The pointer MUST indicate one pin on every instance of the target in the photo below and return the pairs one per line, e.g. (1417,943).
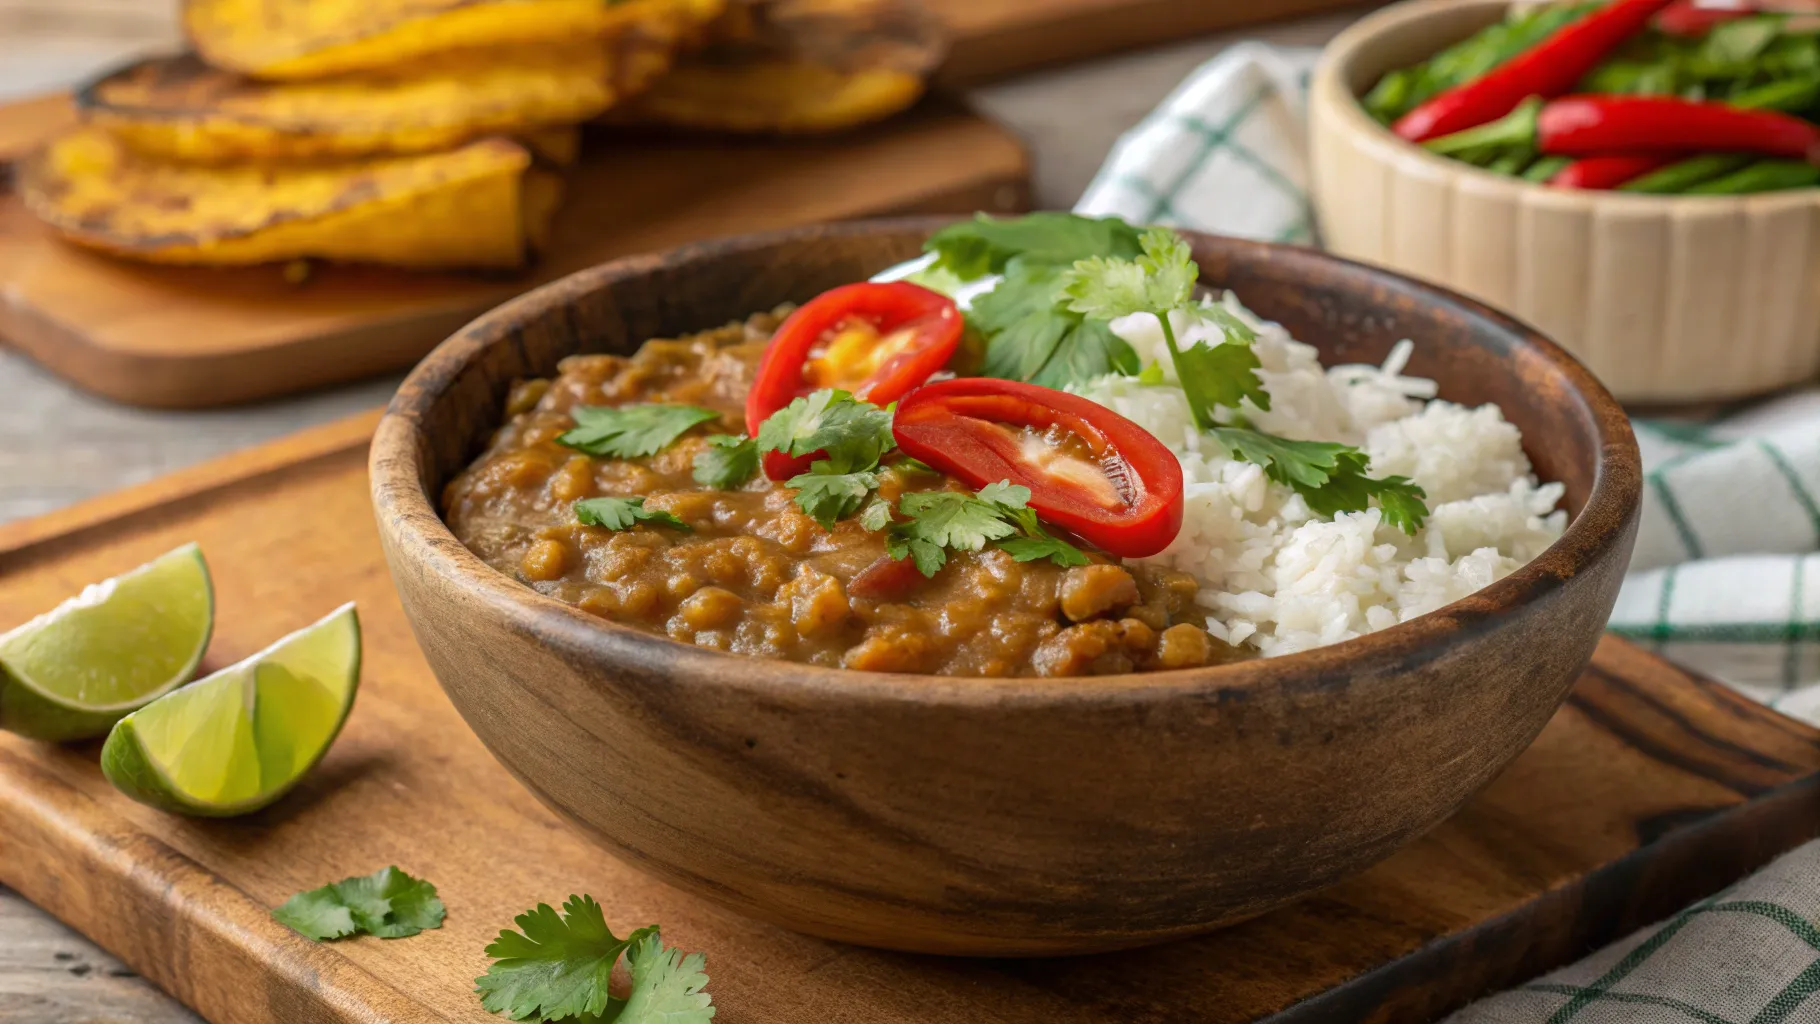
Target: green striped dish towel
(1726,577)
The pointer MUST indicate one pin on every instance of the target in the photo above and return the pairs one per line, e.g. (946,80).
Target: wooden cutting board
(1649,789)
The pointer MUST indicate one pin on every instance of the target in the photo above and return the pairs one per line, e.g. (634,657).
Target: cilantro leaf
(666,987)
(1031,549)
(876,515)
(1158,281)
(827,496)
(1223,374)
(387,903)
(623,514)
(1330,477)
(1032,336)
(985,245)
(554,966)
(631,431)
(851,435)
(938,520)
(728,462)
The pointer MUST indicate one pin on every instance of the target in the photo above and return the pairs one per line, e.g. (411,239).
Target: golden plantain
(790,66)
(179,108)
(289,39)
(482,205)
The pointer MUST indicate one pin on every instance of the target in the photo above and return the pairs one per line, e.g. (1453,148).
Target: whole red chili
(1611,170)
(1548,69)
(1601,125)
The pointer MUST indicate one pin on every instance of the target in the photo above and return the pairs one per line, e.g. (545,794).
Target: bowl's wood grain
(1002,816)
(1669,299)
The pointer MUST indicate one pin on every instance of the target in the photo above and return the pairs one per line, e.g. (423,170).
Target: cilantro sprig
(848,435)
(937,521)
(1161,282)
(558,966)
(388,903)
(631,431)
(623,514)
(1331,478)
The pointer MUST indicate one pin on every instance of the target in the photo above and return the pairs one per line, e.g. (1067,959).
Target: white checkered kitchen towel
(1726,577)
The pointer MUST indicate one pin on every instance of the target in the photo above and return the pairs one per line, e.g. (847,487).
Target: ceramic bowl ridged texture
(1667,298)
(1001,816)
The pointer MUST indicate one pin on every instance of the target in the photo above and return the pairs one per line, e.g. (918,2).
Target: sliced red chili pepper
(1124,496)
(1610,171)
(875,340)
(1548,69)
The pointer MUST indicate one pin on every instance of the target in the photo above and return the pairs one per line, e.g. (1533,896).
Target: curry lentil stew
(755,574)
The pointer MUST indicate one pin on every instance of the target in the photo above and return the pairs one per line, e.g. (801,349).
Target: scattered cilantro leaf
(631,431)
(1151,375)
(555,966)
(728,462)
(984,245)
(828,496)
(1223,374)
(623,514)
(851,435)
(666,987)
(1031,334)
(1331,478)
(387,903)
(876,515)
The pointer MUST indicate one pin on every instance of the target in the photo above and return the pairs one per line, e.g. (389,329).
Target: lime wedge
(240,739)
(77,669)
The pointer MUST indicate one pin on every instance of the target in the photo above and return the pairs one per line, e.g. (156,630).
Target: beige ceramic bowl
(1666,298)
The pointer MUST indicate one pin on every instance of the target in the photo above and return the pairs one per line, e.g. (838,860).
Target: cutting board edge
(1679,867)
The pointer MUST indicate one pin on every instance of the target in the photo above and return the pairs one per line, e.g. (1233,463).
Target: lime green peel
(240,739)
(74,671)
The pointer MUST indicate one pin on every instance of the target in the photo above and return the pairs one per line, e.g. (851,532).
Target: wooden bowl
(1002,816)
(1666,298)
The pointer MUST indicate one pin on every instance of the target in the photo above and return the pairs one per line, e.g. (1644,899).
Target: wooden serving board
(1649,789)
(188,338)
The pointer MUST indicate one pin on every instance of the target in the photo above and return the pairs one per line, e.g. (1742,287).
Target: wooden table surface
(58,445)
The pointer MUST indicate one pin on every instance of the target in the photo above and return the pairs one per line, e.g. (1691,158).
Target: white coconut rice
(1279,578)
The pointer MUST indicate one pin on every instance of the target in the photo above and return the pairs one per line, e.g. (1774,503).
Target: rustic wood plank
(1649,788)
(49,975)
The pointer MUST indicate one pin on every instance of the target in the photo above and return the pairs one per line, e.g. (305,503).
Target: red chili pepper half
(1689,19)
(1608,172)
(1089,470)
(875,340)
(1550,68)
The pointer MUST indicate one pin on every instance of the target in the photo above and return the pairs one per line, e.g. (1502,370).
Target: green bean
(1546,168)
(1788,94)
(1683,175)
(1762,176)
(1512,162)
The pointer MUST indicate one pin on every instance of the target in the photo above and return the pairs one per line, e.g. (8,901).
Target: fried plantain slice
(181,109)
(797,66)
(291,39)
(482,205)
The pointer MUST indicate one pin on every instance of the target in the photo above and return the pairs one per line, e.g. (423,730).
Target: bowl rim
(1328,91)
(413,524)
